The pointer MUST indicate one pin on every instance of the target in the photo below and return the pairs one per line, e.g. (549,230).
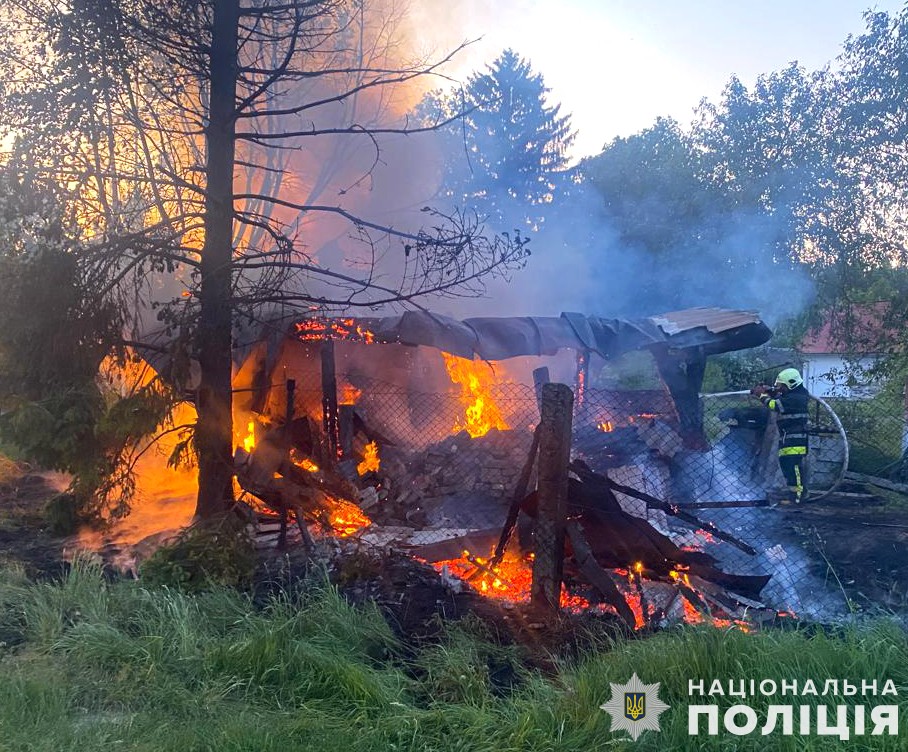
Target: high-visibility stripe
(792,416)
(784,451)
(787,436)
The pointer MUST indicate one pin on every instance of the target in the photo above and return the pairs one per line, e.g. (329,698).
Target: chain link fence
(451,470)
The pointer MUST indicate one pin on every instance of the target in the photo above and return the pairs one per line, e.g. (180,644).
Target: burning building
(427,423)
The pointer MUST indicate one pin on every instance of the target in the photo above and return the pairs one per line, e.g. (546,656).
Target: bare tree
(152,113)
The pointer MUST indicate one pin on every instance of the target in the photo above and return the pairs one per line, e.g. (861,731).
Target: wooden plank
(540,377)
(879,482)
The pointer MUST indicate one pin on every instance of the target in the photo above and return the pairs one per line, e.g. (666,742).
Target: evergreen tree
(507,157)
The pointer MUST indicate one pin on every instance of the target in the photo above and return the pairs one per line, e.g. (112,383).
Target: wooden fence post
(540,377)
(345,430)
(552,490)
(290,408)
(329,399)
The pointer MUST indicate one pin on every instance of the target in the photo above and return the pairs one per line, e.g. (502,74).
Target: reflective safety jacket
(792,420)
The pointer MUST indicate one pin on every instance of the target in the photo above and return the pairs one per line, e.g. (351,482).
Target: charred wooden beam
(520,492)
(682,371)
(346,430)
(675,511)
(690,595)
(329,398)
(289,410)
(596,575)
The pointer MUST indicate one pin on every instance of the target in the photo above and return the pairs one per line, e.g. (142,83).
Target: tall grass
(91,665)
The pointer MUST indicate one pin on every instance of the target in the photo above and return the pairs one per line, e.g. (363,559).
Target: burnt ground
(24,535)
(859,535)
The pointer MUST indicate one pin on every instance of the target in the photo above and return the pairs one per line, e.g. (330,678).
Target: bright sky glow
(616,65)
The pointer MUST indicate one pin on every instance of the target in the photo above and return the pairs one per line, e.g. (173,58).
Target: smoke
(579,261)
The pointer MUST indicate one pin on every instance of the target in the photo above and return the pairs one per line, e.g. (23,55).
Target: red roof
(858,330)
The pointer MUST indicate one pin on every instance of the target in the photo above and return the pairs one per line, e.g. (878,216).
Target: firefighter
(789,399)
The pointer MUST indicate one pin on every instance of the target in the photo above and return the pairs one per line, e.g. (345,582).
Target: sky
(616,65)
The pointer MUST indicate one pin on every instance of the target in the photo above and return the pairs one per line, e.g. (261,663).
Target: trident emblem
(634,705)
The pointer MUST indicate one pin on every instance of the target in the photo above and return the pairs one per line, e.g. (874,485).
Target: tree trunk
(214,431)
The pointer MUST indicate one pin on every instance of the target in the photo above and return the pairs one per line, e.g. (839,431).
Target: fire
(349,395)
(166,496)
(303,463)
(346,518)
(371,462)
(481,412)
(509,581)
(249,440)
(606,426)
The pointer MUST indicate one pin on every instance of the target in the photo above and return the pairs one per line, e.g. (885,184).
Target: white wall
(819,383)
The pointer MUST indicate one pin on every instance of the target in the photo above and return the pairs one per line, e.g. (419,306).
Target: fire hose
(836,422)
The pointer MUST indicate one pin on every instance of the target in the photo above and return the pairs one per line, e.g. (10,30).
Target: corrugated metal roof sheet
(715,320)
(714,330)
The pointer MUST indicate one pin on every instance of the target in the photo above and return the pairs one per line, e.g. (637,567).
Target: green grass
(91,665)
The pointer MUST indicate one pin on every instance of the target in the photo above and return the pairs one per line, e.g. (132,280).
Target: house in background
(838,355)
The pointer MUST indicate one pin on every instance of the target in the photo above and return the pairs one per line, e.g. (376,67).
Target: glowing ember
(303,463)
(475,381)
(702,538)
(319,328)
(371,462)
(706,536)
(511,581)
(606,426)
(692,615)
(346,518)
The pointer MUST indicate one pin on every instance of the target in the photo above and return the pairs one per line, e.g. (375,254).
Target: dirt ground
(861,533)
(24,537)
(858,538)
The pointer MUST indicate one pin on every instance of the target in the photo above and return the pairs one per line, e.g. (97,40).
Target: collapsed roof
(711,330)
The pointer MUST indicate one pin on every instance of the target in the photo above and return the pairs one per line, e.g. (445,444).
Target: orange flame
(249,440)
(303,463)
(512,579)
(481,412)
(371,462)
(346,518)
(349,395)
(606,426)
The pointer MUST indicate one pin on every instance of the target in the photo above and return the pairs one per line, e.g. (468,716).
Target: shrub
(217,552)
